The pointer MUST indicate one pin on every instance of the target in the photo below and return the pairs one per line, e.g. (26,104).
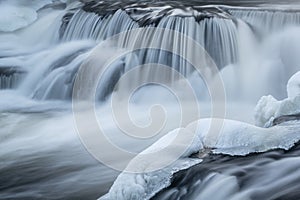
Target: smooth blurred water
(41,156)
(271,175)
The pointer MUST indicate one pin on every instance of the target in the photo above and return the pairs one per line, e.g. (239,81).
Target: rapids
(51,56)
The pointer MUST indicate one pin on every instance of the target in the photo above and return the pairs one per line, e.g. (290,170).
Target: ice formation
(234,138)
(269,108)
(136,186)
(293,86)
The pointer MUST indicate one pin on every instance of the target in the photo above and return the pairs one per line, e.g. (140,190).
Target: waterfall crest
(220,31)
(267,21)
(235,38)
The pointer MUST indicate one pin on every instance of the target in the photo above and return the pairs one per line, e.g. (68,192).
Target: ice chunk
(135,186)
(235,138)
(239,138)
(265,110)
(268,108)
(130,186)
(293,86)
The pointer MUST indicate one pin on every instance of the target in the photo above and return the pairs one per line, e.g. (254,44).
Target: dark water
(271,175)
(43,161)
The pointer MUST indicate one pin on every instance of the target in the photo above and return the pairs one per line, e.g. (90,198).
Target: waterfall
(9,81)
(238,42)
(10,77)
(220,31)
(233,41)
(86,25)
(55,71)
(266,21)
(235,38)
(122,79)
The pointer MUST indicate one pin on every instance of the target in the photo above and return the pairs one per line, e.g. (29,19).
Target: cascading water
(228,36)
(220,31)
(10,77)
(265,21)
(52,52)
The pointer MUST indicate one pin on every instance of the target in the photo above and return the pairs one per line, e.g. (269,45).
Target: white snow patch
(235,138)
(136,186)
(293,86)
(268,108)
(239,138)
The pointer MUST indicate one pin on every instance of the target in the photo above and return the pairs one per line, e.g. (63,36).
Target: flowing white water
(256,52)
(237,48)
(263,21)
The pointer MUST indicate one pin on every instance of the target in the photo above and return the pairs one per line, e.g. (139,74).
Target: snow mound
(145,185)
(240,139)
(235,138)
(293,86)
(268,108)
(141,185)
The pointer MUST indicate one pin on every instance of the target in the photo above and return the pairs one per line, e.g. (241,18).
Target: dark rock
(9,71)
(286,118)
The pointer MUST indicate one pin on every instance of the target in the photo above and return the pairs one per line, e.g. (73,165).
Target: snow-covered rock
(234,138)
(152,170)
(268,108)
(293,86)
